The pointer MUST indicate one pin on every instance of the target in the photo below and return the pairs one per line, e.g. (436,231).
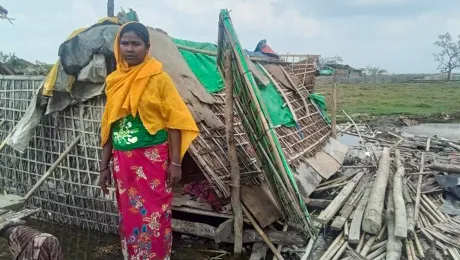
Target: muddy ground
(78,244)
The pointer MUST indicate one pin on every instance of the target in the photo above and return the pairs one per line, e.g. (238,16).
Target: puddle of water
(449,131)
(349,140)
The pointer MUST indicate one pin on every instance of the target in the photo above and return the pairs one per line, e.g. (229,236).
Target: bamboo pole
(382,231)
(419,246)
(360,245)
(412,249)
(334,111)
(233,157)
(340,251)
(376,252)
(309,248)
(400,230)
(51,169)
(330,254)
(304,100)
(419,188)
(3,144)
(367,246)
(408,251)
(409,209)
(261,233)
(269,131)
(372,221)
(331,250)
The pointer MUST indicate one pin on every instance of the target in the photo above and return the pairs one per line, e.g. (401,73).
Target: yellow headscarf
(148,91)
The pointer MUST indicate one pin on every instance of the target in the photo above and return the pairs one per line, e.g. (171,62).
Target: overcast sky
(397,35)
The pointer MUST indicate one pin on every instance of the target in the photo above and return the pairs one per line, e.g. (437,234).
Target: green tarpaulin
(277,110)
(320,102)
(205,68)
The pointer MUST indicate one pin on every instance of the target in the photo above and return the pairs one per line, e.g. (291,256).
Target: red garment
(144,202)
(203,192)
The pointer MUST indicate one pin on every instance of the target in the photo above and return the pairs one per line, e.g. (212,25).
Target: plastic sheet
(25,128)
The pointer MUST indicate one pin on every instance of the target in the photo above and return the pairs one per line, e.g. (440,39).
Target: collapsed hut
(40,117)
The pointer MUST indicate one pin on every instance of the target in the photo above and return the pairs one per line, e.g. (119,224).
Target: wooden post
(334,111)
(110,8)
(394,244)
(372,221)
(232,156)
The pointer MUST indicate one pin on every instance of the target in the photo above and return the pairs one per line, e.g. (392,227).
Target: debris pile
(397,197)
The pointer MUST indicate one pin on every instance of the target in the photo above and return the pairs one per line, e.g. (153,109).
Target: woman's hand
(174,175)
(105,180)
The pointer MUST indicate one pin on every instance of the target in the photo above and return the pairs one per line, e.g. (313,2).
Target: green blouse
(129,133)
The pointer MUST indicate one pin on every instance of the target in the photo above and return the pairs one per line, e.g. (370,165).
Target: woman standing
(147,129)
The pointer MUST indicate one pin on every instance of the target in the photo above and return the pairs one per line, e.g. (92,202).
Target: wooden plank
(349,206)
(355,227)
(224,231)
(249,236)
(307,178)
(11,202)
(261,204)
(327,214)
(187,202)
(324,164)
(336,149)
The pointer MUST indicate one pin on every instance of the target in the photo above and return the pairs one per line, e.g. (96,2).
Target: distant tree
(374,71)
(449,56)
(22,66)
(9,58)
(330,60)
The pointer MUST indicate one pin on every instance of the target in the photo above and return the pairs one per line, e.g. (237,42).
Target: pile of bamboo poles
(393,210)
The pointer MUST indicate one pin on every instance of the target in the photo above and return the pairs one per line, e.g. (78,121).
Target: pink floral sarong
(144,202)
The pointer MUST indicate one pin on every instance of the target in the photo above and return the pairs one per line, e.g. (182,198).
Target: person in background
(146,130)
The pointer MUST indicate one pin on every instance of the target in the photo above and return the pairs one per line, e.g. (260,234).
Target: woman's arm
(174,171)
(104,176)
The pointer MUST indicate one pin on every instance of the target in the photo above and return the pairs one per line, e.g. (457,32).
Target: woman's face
(132,48)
